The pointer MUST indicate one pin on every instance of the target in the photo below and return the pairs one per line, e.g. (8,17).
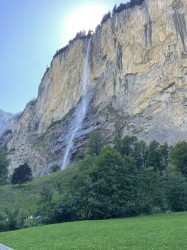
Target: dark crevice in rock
(180,27)
(148,34)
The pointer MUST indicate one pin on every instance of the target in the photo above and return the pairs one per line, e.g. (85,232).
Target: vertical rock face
(138,84)
(144,67)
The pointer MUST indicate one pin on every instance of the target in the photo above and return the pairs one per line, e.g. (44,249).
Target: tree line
(117,9)
(127,179)
(83,35)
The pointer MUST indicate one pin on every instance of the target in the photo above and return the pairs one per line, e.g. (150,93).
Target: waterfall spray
(80,112)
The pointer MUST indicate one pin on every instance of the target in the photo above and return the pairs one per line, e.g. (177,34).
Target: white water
(80,112)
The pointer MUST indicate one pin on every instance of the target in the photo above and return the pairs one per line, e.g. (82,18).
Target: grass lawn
(166,231)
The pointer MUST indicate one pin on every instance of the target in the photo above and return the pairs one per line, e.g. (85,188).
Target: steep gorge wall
(147,45)
(138,80)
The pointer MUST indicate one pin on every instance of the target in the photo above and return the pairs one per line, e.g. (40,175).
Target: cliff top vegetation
(83,35)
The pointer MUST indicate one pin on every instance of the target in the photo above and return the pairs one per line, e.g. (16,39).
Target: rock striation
(137,85)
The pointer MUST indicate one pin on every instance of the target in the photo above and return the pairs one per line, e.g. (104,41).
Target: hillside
(136,85)
(28,194)
(152,232)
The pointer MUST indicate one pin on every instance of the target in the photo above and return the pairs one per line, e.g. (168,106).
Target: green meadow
(26,195)
(165,231)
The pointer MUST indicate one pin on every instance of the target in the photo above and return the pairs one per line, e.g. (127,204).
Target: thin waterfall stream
(80,111)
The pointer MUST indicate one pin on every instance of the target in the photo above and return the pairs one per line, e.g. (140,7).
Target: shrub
(55,168)
(11,220)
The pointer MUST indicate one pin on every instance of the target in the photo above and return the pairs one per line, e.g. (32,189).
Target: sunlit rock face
(137,84)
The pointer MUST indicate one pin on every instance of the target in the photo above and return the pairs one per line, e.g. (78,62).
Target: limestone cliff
(138,81)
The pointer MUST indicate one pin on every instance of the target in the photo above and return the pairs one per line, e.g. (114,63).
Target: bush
(11,220)
(32,222)
(55,168)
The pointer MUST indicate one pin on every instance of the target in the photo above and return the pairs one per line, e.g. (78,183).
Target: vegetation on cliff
(121,7)
(125,6)
(83,35)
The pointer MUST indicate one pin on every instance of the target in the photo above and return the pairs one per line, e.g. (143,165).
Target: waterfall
(80,112)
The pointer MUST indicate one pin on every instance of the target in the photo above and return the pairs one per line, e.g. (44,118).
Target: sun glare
(85,17)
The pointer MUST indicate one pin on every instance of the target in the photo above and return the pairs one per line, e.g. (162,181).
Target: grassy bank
(26,195)
(166,231)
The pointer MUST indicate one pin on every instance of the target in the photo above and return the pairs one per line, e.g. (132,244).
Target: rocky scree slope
(137,81)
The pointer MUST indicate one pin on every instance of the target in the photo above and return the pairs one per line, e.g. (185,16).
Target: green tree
(57,207)
(4,162)
(95,143)
(130,146)
(164,156)
(45,204)
(149,190)
(157,156)
(140,153)
(81,185)
(176,190)
(178,157)
(73,200)
(153,155)
(65,208)
(113,185)
(126,145)
(22,174)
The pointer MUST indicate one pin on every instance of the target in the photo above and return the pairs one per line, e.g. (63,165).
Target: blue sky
(31,32)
